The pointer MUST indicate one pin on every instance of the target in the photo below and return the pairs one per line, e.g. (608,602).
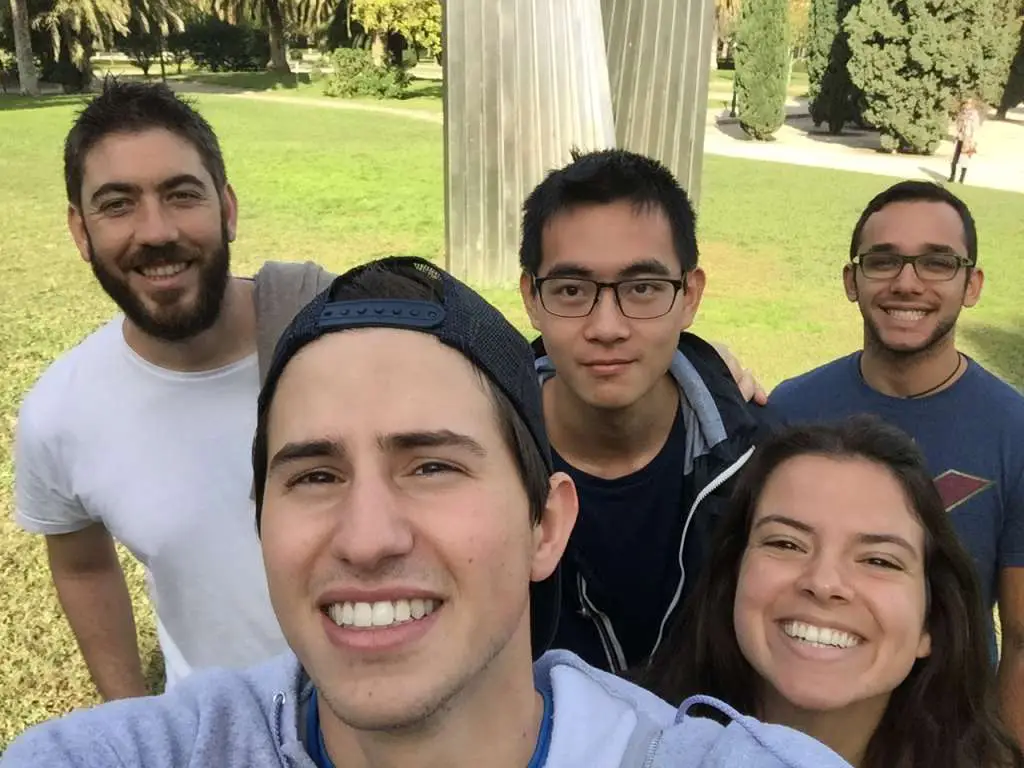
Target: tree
(76,28)
(139,46)
(762,67)
(1013,92)
(418,21)
(28,82)
(799,24)
(917,60)
(833,97)
(268,13)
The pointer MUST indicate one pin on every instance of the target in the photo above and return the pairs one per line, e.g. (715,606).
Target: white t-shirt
(163,460)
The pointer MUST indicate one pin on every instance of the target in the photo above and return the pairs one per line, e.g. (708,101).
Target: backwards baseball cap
(459,318)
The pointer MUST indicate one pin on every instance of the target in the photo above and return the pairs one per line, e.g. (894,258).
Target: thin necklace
(940,385)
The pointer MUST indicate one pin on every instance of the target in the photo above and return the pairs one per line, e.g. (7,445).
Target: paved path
(998,165)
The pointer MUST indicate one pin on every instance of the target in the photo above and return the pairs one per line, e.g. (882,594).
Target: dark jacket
(722,430)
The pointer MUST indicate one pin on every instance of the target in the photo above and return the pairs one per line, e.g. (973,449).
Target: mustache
(156,255)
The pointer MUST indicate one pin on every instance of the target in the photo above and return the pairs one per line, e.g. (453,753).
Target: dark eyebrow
(309,449)
(440,438)
(928,248)
(126,188)
(863,538)
(642,267)
(782,519)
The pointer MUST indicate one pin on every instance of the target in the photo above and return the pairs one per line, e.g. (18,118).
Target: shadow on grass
(999,349)
(10,102)
(424,89)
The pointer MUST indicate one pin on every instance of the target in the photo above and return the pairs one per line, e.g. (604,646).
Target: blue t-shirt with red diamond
(972,435)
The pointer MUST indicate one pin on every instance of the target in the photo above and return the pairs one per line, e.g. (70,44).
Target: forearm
(1011,688)
(99,610)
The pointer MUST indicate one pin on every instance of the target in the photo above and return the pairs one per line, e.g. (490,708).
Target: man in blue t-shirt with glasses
(913,267)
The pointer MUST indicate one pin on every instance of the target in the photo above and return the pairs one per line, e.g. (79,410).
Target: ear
(924,646)
(229,208)
(972,291)
(695,282)
(76,226)
(850,281)
(551,534)
(531,301)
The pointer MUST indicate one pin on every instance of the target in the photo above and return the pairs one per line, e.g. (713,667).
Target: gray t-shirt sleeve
(281,290)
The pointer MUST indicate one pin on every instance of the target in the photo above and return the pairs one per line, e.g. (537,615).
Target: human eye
(185,195)
(115,206)
(311,478)
(880,262)
(783,545)
(938,263)
(884,561)
(646,288)
(434,468)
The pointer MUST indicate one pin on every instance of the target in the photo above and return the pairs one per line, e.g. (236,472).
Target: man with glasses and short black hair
(645,418)
(913,267)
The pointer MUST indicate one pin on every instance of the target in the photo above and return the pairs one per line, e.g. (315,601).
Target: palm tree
(28,81)
(269,13)
(78,27)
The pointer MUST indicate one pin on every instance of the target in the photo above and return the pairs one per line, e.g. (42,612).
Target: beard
(873,338)
(173,322)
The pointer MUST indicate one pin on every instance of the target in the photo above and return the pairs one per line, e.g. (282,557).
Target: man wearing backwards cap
(411,529)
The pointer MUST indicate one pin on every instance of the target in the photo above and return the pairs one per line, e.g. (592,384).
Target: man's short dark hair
(603,177)
(913,191)
(133,107)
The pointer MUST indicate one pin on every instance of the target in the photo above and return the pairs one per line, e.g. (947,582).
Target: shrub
(218,46)
(355,74)
(833,97)
(762,67)
(917,60)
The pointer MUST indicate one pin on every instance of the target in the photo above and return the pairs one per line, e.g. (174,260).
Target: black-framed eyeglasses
(639,299)
(935,267)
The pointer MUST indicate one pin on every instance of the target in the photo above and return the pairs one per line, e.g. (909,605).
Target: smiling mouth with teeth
(906,314)
(819,637)
(383,613)
(163,270)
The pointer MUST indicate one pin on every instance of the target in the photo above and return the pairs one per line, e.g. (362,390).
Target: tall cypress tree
(916,60)
(762,66)
(1013,93)
(834,99)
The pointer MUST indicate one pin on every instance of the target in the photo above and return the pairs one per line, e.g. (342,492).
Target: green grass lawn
(341,187)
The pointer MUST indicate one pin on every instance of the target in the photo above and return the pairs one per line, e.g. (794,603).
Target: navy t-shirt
(629,529)
(972,435)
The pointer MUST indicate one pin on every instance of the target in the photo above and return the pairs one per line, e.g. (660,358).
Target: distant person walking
(968,123)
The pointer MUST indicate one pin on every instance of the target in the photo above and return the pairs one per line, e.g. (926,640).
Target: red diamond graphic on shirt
(956,487)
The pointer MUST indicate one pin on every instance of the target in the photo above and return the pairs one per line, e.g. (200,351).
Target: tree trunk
(27,77)
(160,53)
(278,55)
(378,49)
(714,45)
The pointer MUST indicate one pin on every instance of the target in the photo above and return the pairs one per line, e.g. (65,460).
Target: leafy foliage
(1013,93)
(355,74)
(833,97)
(762,67)
(418,21)
(221,47)
(917,60)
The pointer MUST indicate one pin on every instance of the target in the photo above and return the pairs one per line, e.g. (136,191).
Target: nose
(606,323)
(824,579)
(154,225)
(372,529)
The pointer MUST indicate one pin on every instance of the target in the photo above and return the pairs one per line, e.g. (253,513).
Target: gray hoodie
(251,719)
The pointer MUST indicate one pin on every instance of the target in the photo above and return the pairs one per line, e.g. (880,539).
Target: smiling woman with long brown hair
(839,601)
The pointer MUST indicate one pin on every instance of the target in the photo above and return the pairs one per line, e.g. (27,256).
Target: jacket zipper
(706,491)
(610,643)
